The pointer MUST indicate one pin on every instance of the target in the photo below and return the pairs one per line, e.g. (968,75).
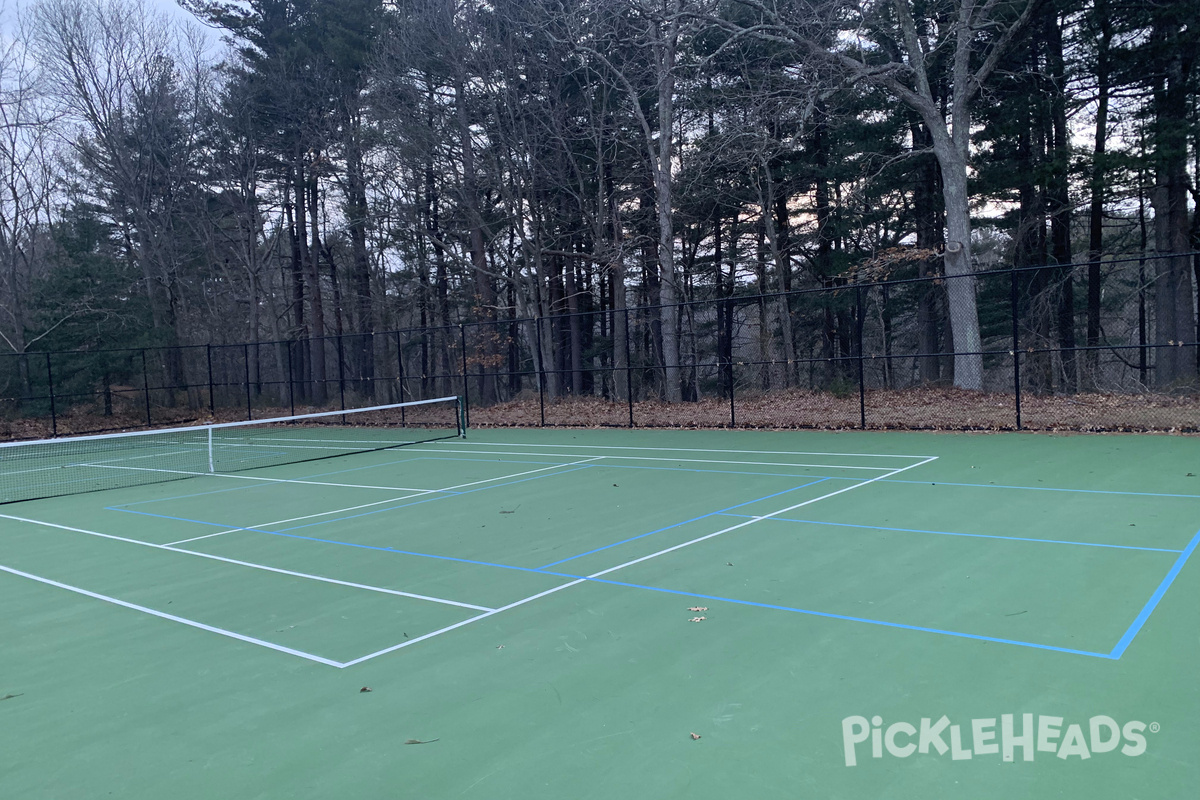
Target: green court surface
(523,607)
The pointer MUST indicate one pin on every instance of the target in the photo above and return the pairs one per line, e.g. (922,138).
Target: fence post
(400,377)
(212,403)
(246,362)
(1016,346)
(628,369)
(541,368)
(466,385)
(291,379)
(53,410)
(862,389)
(146,388)
(342,373)
(729,309)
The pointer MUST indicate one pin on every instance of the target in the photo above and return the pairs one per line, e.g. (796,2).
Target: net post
(462,418)
(50,385)
(211,464)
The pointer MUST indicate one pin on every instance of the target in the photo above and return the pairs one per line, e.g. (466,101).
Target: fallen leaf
(508,512)
(697,619)
(695,736)
(420,741)
(698,608)
(11,696)
(499,647)
(729,563)
(365,689)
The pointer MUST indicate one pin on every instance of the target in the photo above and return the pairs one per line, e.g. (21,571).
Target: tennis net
(73,465)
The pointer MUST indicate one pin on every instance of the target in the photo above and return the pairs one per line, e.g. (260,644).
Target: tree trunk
(1098,187)
(1059,201)
(960,282)
(665,55)
(485,292)
(1173,303)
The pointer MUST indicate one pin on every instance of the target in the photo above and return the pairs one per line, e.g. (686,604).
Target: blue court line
(677,524)
(698,595)
(606,465)
(1152,603)
(440,496)
(1042,488)
(950,533)
(829,615)
(888,480)
(1114,655)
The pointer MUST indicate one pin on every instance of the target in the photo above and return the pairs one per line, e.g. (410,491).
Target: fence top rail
(223,425)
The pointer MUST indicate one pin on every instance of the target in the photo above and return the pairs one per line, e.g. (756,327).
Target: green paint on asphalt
(972,586)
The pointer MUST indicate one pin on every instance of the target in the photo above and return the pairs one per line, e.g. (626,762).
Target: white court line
(94,463)
(691,450)
(468,621)
(251,565)
(634,561)
(162,615)
(268,480)
(390,500)
(672,460)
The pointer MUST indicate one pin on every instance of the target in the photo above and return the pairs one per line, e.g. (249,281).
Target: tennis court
(561,613)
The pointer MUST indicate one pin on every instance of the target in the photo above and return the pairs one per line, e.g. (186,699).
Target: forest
(618,200)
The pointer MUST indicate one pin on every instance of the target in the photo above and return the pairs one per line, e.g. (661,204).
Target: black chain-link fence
(1088,347)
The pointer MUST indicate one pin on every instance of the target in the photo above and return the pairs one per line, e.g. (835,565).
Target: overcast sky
(168,7)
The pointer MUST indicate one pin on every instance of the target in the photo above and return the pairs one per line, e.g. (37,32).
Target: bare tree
(884,43)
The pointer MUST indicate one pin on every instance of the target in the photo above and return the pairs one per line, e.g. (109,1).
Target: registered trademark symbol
(1155,727)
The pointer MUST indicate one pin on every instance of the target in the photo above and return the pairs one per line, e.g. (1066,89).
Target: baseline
(250,564)
(173,618)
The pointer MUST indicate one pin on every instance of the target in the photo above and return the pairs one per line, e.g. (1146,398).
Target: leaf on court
(697,619)
(365,689)
(508,512)
(11,696)
(698,608)
(695,736)
(421,741)
(499,647)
